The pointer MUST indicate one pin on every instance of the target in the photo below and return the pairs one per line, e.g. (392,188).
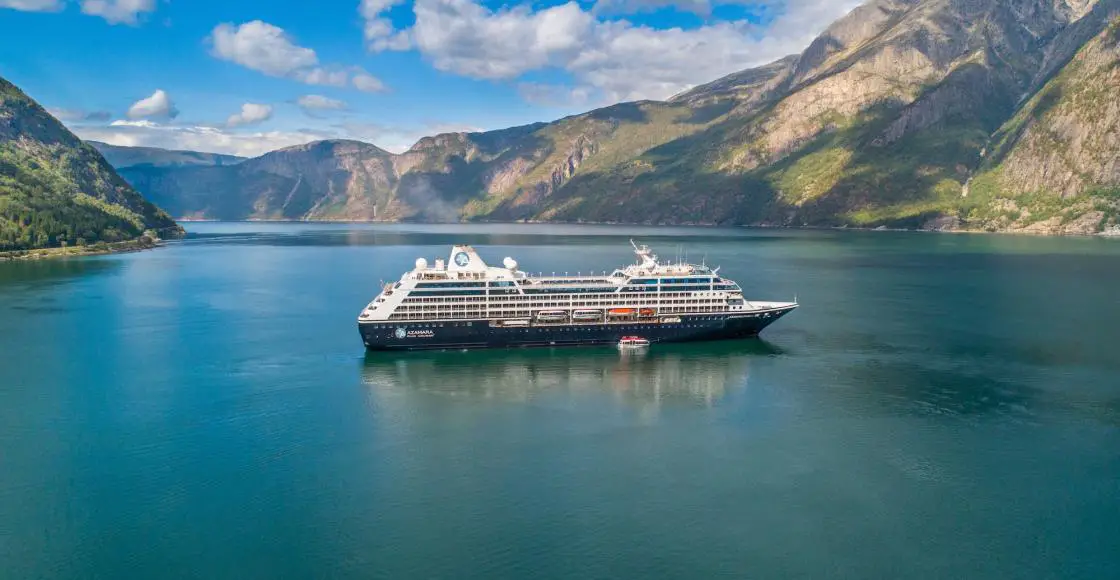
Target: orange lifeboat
(621,312)
(646,313)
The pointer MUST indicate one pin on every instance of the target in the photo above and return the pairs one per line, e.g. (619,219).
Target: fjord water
(940,406)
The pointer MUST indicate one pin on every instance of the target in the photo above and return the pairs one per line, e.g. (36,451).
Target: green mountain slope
(56,190)
(884,120)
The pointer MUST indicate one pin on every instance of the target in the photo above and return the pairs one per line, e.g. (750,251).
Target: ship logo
(401,332)
(462,259)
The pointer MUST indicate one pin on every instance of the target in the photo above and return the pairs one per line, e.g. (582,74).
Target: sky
(246,77)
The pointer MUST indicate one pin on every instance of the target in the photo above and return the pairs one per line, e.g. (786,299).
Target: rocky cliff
(907,113)
(56,190)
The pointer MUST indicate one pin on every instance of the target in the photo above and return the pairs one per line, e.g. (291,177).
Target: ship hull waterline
(479,334)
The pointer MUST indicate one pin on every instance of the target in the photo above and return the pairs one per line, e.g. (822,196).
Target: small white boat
(632,342)
(552,316)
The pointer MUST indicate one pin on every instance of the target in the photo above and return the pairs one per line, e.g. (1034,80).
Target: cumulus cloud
(466,38)
(158,105)
(33,5)
(262,47)
(320,103)
(367,83)
(613,59)
(118,11)
(268,49)
(378,30)
(251,114)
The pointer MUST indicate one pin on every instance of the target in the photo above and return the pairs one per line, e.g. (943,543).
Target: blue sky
(246,77)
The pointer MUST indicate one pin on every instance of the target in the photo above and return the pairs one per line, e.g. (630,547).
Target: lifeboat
(646,313)
(552,315)
(619,312)
(587,315)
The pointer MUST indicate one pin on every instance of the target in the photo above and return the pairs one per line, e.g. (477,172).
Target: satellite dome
(510,263)
(421,264)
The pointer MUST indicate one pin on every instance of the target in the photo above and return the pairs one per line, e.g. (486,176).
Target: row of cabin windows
(451,284)
(478,303)
(513,295)
(540,302)
(419,312)
(428,325)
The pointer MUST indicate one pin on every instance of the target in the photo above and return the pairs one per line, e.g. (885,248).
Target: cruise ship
(463,303)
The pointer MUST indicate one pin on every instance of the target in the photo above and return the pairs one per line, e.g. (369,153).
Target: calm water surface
(940,406)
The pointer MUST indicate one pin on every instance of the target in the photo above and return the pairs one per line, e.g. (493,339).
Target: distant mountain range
(56,190)
(123,157)
(996,115)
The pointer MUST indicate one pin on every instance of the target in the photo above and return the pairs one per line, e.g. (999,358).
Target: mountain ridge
(886,119)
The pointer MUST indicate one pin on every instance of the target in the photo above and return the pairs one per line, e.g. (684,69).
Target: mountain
(1057,161)
(56,190)
(124,157)
(946,114)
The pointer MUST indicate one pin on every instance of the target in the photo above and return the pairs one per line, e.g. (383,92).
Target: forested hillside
(56,190)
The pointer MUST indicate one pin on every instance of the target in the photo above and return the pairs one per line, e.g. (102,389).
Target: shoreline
(138,245)
(1114,233)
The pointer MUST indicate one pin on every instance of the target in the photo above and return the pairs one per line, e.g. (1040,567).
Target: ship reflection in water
(700,373)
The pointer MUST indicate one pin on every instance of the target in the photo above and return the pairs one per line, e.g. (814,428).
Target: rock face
(1058,158)
(56,190)
(981,114)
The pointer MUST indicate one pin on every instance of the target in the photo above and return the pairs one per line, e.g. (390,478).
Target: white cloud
(197,138)
(265,48)
(320,103)
(118,11)
(614,59)
(262,47)
(367,83)
(157,105)
(378,30)
(323,77)
(251,114)
(33,5)
(469,39)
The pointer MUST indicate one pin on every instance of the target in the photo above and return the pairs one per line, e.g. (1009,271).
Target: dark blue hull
(425,335)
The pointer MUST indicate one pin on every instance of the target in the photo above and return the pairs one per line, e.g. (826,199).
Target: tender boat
(631,342)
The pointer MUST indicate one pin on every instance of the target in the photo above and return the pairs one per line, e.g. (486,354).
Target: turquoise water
(940,406)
